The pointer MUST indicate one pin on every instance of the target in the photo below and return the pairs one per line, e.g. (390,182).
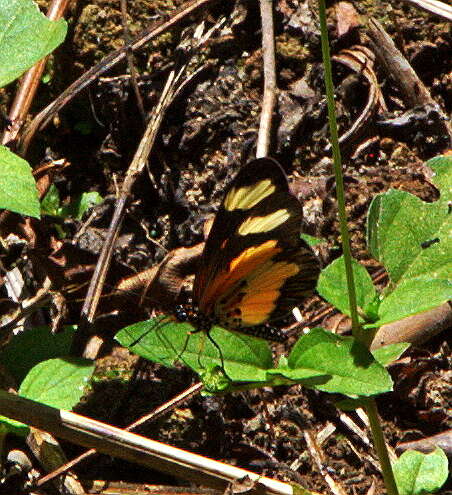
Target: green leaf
(400,230)
(50,204)
(332,286)
(441,166)
(311,240)
(351,367)
(387,354)
(57,382)
(413,240)
(418,474)
(12,426)
(245,358)
(82,204)
(29,348)
(26,36)
(413,296)
(18,191)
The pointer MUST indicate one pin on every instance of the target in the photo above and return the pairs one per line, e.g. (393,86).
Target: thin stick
(30,81)
(413,90)
(132,447)
(103,263)
(269,98)
(45,116)
(130,64)
(433,7)
(152,416)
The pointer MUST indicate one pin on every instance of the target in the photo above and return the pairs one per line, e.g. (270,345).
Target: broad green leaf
(401,226)
(57,382)
(413,240)
(387,354)
(29,348)
(419,474)
(82,204)
(352,368)
(332,286)
(245,358)
(413,296)
(18,191)
(50,204)
(26,36)
(311,240)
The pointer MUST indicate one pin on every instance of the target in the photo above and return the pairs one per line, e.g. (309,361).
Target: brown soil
(207,133)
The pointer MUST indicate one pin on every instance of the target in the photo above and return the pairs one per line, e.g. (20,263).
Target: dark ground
(206,134)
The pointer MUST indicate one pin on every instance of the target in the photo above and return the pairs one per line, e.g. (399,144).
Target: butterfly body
(255,268)
(204,323)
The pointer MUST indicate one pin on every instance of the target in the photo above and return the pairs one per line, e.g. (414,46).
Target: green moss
(290,47)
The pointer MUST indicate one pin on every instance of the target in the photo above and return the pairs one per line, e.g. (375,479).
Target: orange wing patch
(246,262)
(256,298)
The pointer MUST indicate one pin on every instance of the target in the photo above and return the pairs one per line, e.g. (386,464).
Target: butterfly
(255,268)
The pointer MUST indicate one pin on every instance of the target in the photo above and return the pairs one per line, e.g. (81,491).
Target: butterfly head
(190,314)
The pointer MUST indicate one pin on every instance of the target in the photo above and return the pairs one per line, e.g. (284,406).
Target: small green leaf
(419,474)
(12,426)
(50,204)
(57,382)
(389,353)
(26,36)
(311,240)
(332,286)
(352,368)
(18,191)
(82,204)
(245,358)
(29,348)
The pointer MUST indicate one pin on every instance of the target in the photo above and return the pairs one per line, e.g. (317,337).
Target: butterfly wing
(255,268)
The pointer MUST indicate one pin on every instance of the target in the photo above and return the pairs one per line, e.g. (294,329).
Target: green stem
(380,447)
(356,327)
(358,333)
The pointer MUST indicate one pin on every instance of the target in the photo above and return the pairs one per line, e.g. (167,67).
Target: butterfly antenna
(154,328)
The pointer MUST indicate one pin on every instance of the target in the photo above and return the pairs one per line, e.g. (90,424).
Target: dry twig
(397,66)
(136,167)
(361,60)
(269,97)
(135,448)
(433,7)
(30,82)
(129,57)
(152,416)
(44,117)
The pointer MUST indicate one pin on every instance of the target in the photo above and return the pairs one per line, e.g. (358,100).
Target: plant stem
(356,327)
(358,333)
(380,447)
